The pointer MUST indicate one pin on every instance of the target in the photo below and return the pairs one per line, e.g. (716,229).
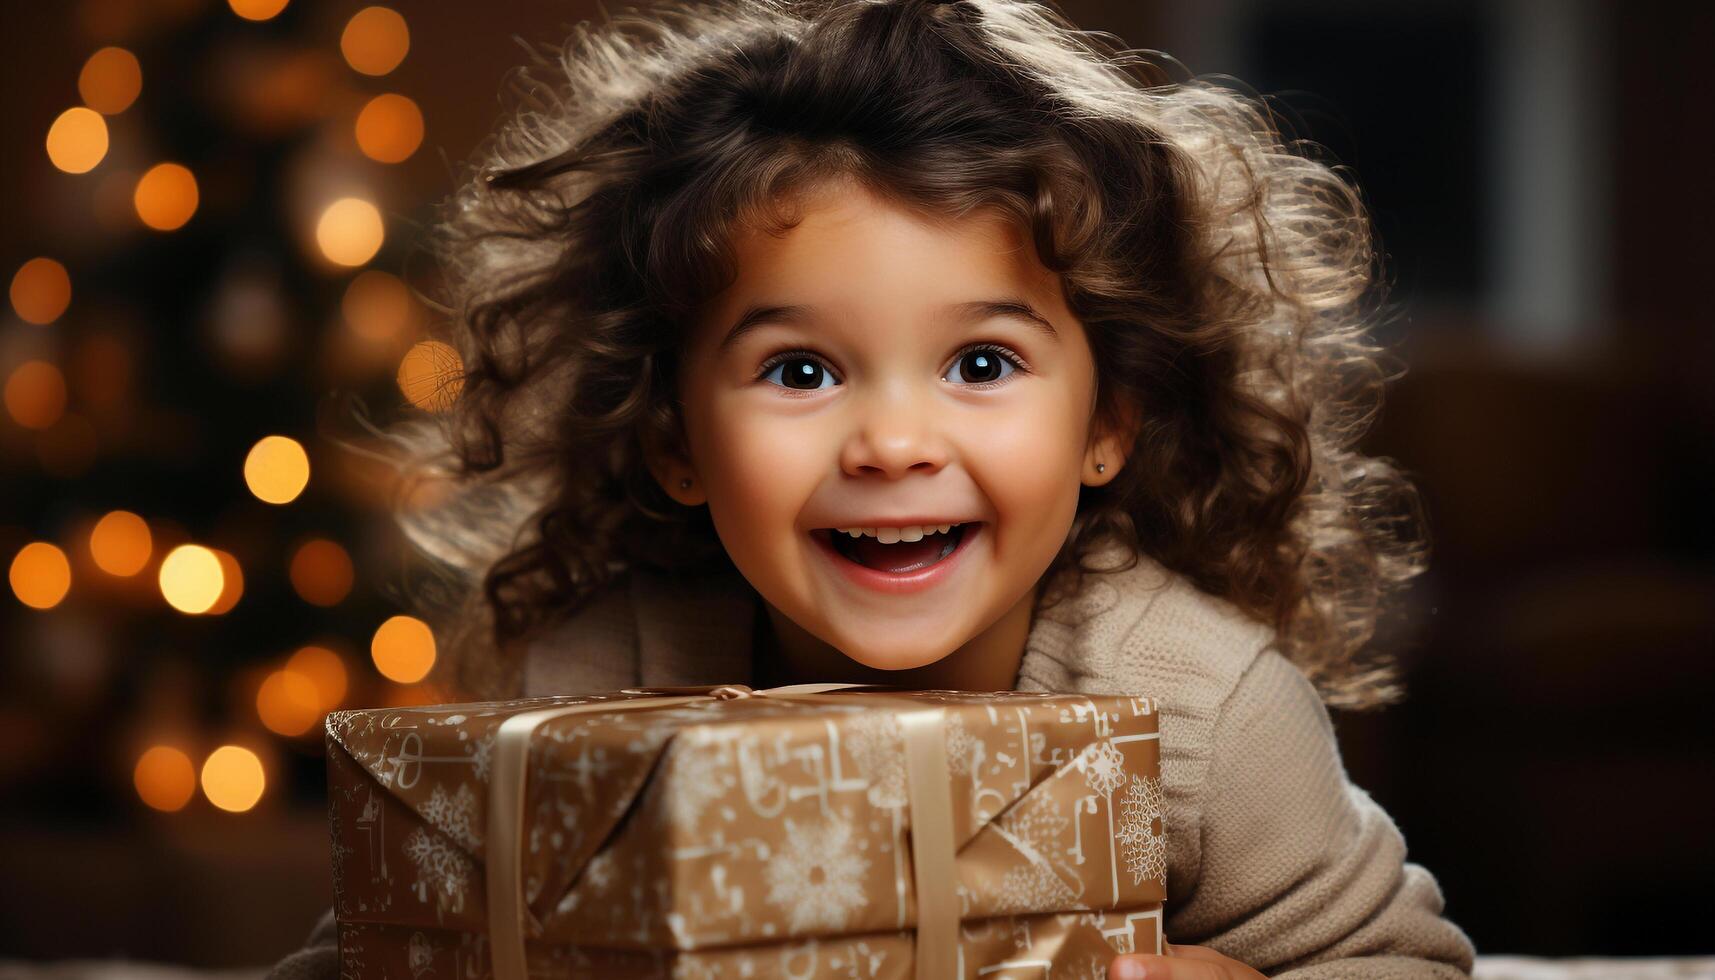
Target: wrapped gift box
(817,831)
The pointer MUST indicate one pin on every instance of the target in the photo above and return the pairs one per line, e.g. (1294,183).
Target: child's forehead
(847,236)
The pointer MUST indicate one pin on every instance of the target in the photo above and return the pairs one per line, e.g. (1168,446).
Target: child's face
(890,424)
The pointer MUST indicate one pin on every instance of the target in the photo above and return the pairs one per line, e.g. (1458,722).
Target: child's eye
(799,370)
(984,365)
(977,366)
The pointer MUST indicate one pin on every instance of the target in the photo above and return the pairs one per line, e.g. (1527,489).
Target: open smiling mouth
(900,558)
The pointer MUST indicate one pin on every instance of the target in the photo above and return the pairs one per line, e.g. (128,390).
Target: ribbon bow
(926,782)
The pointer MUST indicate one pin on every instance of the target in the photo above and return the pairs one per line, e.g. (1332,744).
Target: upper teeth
(893,535)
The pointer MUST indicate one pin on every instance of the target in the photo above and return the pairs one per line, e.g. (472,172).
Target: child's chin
(893,659)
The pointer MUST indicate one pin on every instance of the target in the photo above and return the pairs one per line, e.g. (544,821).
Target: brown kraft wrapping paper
(750,836)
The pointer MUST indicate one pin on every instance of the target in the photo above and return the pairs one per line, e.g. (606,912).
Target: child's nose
(894,435)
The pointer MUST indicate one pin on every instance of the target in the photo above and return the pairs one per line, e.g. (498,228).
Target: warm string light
(389,128)
(35,394)
(325,670)
(77,140)
(350,231)
(192,579)
(403,649)
(120,543)
(165,778)
(257,9)
(110,81)
(232,778)
(41,291)
(375,40)
(231,584)
(293,699)
(321,572)
(40,575)
(277,469)
(431,375)
(378,307)
(288,703)
(166,196)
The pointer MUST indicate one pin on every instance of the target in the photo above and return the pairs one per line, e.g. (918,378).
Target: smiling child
(943,345)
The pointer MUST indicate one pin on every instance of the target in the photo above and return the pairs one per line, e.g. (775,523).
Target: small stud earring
(1101,467)
(684,484)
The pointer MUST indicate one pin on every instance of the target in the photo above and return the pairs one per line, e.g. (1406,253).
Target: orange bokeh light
(165,778)
(191,579)
(277,469)
(40,575)
(166,196)
(231,584)
(378,306)
(288,703)
(36,395)
(390,128)
(77,140)
(121,543)
(431,375)
(110,81)
(326,670)
(232,778)
(41,291)
(321,572)
(375,40)
(403,649)
(257,9)
(350,231)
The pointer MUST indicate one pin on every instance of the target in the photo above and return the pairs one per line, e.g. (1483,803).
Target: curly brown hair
(1226,278)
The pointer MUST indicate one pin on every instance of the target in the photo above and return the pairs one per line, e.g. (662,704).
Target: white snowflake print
(692,781)
(964,751)
(1037,828)
(453,815)
(878,748)
(481,757)
(1031,888)
(1104,768)
(817,878)
(1143,846)
(442,869)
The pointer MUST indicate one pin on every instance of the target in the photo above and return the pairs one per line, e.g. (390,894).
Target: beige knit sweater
(1274,858)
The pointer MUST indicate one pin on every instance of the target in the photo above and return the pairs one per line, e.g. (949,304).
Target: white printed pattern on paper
(1143,847)
(817,879)
(1037,828)
(443,870)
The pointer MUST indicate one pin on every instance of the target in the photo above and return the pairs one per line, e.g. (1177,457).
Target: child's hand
(1180,963)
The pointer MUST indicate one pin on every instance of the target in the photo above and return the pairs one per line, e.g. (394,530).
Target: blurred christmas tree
(200,569)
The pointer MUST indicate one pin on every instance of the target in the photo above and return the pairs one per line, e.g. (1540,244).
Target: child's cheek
(1029,470)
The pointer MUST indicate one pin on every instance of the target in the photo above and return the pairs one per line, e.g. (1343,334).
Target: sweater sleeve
(318,960)
(1303,876)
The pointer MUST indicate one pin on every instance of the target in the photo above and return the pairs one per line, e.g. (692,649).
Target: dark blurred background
(205,265)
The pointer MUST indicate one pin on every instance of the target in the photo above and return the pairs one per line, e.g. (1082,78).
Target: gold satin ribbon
(930,794)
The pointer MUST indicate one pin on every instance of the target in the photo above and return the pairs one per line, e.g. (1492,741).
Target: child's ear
(1110,444)
(676,475)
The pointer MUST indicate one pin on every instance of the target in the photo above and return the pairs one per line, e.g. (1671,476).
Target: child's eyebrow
(968,312)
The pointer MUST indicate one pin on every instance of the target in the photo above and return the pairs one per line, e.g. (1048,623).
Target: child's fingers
(1193,952)
(1142,966)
